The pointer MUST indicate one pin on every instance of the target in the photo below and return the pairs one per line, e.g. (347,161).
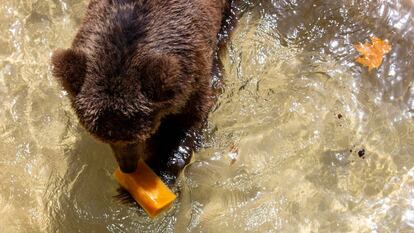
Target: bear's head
(121,98)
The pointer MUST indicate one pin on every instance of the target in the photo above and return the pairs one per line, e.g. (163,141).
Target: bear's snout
(127,155)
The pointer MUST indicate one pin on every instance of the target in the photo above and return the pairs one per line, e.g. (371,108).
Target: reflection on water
(285,142)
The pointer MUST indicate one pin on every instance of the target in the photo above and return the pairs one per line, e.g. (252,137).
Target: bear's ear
(160,77)
(69,67)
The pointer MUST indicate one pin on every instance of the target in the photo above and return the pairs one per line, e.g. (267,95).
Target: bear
(139,76)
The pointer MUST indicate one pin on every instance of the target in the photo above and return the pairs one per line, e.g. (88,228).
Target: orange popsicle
(147,189)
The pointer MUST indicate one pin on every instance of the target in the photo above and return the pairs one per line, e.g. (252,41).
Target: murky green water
(278,156)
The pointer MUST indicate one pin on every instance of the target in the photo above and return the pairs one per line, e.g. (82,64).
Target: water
(283,143)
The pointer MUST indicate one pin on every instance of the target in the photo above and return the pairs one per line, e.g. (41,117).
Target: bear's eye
(148,88)
(155,91)
(169,94)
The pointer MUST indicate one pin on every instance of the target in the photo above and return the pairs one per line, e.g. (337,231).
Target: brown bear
(139,73)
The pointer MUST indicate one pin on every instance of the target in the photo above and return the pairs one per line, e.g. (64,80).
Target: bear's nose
(128,167)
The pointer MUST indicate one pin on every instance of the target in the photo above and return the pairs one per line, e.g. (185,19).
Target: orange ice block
(147,189)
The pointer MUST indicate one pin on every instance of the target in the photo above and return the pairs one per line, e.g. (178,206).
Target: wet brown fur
(139,72)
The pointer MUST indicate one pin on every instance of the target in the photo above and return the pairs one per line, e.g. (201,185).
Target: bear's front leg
(179,135)
(170,149)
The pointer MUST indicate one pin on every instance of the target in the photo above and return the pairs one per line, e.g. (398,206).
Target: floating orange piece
(147,189)
(372,54)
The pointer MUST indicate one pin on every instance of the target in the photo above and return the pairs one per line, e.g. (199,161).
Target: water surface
(302,139)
